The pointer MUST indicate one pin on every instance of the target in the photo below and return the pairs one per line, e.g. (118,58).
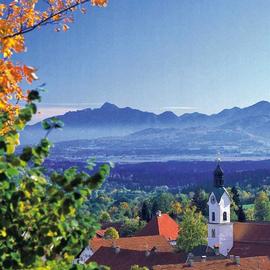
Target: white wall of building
(220,230)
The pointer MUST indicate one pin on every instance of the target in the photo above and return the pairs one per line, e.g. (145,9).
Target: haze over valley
(130,135)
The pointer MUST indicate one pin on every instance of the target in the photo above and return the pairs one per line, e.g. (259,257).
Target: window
(213,233)
(213,216)
(224,216)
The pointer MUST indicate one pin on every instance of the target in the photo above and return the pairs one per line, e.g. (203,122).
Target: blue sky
(156,55)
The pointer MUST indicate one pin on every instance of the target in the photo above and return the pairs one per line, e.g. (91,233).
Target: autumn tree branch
(46,20)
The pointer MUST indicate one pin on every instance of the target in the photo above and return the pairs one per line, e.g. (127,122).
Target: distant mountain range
(234,131)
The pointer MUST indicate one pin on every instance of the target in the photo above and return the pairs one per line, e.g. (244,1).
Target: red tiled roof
(161,225)
(100,233)
(251,239)
(248,249)
(126,258)
(251,232)
(252,263)
(133,243)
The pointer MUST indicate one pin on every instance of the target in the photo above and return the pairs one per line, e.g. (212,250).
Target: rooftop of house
(123,259)
(251,263)
(248,249)
(251,232)
(141,243)
(100,233)
(161,224)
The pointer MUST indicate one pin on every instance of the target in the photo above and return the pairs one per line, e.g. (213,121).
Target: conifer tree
(199,200)
(145,212)
(238,209)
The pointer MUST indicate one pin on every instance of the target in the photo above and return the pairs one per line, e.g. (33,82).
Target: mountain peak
(261,103)
(108,106)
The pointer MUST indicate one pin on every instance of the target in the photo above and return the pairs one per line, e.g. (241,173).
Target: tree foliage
(111,233)
(193,230)
(42,213)
(131,226)
(145,212)
(199,200)
(238,207)
(43,219)
(262,207)
(137,267)
(162,201)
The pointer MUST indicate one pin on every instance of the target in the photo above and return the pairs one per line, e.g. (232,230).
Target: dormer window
(213,216)
(224,216)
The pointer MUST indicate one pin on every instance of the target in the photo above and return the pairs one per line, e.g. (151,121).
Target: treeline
(181,174)
(134,208)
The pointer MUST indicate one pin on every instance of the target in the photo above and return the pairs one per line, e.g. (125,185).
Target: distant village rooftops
(252,263)
(123,259)
(252,232)
(161,224)
(246,245)
(133,243)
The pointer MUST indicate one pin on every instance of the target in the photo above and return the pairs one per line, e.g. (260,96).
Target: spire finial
(218,173)
(218,158)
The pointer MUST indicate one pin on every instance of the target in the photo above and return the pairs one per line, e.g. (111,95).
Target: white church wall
(223,237)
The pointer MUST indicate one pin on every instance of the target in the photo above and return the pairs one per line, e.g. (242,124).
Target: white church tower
(220,229)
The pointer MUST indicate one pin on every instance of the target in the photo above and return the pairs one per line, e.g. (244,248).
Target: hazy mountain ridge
(110,130)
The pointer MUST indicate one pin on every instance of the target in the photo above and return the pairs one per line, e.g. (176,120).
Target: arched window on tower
(224,216)
(213,216)
(213,233)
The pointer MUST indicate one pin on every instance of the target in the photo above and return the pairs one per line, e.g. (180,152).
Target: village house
(231,245)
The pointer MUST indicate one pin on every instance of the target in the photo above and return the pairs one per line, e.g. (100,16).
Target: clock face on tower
(213,199)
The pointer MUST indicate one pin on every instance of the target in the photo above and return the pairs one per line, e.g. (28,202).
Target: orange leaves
(100,3)
(65,27)
(29,73)
(2,9)
(20,17)
(10,45)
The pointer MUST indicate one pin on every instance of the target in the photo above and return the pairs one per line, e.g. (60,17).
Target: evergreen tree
(241,214)
(145,212)
(238,208)
(235,196)
(193,230)
(199,200)
(154,208)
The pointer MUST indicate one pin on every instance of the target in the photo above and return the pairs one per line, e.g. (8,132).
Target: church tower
(220,229)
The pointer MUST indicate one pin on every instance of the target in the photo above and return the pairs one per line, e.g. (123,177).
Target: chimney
(147,253)
(158,213)
(203,259)
(216,250)
(190,260)
(237,260)
(154,249)
(116,250)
